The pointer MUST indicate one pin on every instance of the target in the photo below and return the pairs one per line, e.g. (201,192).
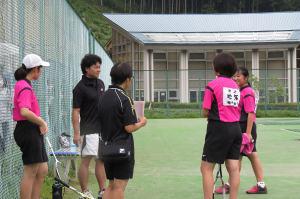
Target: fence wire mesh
(51,29)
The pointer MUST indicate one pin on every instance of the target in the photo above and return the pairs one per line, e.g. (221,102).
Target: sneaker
(100,194)
(88,193)
(257,190)
(219,190)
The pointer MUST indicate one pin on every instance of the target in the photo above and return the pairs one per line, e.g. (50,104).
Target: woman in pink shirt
(248,105)
(30,128)
(223,136)
(247,122)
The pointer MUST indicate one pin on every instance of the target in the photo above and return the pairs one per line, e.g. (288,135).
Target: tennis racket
(73,189)
(219,182)
(60,168)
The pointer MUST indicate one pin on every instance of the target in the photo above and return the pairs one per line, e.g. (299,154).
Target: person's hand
(249,137)
(143,120)
(76,139)
(43,128)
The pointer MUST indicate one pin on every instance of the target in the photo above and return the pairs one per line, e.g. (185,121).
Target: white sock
(261,184)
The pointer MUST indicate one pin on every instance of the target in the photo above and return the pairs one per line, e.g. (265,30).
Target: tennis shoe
(100,194)
(87,193)
(219,190)
(257,190)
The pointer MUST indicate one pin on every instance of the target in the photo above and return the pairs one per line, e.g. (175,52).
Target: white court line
(290,131)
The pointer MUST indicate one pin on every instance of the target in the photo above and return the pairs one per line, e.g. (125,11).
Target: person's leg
(100,174)
(207,169)
(83,173)
(234,177)
(39,179)
(256,166)
(109,190)
(119,187)
(29,175)
(260,187)
(240,163)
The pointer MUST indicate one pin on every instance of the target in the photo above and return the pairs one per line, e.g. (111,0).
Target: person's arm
(249,107)
(30,116)
(130,122)
(250,121)
(76,127)
(207,101)
(134,127)
(205,112)
(24,101)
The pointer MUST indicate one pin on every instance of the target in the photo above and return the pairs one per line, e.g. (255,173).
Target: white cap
(33,60)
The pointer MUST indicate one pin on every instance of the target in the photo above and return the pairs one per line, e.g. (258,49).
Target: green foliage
(193,110)
(91,15)
(47,187)
(278,113)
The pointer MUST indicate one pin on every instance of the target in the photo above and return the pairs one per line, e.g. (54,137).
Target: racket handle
(62,182)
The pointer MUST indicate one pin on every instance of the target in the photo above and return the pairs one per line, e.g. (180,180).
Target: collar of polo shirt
(89,81)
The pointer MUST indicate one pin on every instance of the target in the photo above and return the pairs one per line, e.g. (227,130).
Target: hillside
(90,12)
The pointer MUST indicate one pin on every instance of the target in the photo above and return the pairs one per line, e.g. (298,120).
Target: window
(155,96)
(238,55)
(172,94)
(193,96)
(162,96)
(276,54)
(298,53)
(197,56)
(119,49)
(159,56)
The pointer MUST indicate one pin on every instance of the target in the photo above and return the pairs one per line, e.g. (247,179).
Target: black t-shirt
(116,112)
(86,96)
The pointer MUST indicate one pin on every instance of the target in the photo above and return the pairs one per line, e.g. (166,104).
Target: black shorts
(243,126)
(222,141)
(122,170)
(31,142)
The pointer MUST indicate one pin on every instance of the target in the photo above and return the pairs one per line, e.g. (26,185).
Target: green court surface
(168,155)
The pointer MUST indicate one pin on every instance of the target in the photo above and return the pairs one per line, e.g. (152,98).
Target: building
(172,54)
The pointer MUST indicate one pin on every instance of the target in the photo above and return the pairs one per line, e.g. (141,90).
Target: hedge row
(261,106)
(177,110)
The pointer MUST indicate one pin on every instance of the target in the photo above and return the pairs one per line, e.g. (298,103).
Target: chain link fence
(278,90)
(51,29)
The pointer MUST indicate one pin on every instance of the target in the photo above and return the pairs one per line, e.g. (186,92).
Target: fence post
(167,93)
(22,29)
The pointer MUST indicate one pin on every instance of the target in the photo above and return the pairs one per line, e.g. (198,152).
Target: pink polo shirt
(248,102)
(24,97)
(222,98)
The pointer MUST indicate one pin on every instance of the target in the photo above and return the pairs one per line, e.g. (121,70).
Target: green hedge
(261,106)
(193,110)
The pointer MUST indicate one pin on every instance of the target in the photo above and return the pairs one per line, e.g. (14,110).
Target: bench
(68,157)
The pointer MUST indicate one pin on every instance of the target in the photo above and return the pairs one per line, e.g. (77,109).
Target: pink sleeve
(208,98)
(24,99)
(249,103)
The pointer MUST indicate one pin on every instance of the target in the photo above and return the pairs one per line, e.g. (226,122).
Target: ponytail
(21,72)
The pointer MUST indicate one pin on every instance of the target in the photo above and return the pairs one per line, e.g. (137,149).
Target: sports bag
(118,150)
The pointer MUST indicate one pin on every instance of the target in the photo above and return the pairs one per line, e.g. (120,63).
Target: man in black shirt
(118,122)
(86,124)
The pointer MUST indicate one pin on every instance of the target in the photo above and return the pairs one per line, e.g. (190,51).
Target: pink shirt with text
(248,102)
(24,97)
(222,98)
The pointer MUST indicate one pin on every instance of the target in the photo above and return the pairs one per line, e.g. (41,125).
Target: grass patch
(168,155)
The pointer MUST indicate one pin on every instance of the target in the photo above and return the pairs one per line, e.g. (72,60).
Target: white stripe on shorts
(89,146)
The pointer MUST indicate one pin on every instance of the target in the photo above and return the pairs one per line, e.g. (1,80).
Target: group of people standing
(229,104)
(96,115)
(230,107)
